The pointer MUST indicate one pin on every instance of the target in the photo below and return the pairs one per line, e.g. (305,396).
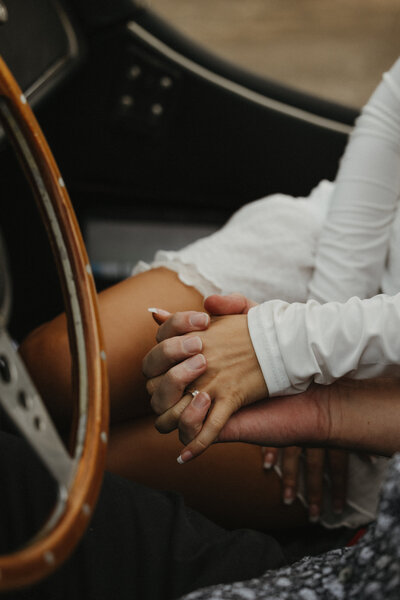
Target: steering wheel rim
(79,490)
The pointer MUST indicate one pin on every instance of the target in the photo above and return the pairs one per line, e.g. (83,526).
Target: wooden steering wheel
(78,474)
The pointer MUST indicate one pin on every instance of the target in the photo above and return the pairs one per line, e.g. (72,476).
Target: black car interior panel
(148,127)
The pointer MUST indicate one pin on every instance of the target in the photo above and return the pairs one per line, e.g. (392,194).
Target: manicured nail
(159,311)
(313,513)
(184,457)
(288,496)
(195,362)
(192,344)
(268,460)
(199,320)
(200,400)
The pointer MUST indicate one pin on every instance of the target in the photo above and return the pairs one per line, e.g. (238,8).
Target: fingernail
(196,362)
(200,400)
(313,513)
(288,496)
(159,311)
(192,344)
(199,319)
(268,460)
(184,457)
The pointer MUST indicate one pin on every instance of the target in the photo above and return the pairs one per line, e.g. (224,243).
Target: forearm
(354,240)
(297,344)
(366,415)
(354,415)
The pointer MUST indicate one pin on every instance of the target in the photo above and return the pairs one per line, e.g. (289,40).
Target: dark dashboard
(158,139)
(42,40)
(48,45)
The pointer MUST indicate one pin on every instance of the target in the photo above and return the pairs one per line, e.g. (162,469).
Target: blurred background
(336,49)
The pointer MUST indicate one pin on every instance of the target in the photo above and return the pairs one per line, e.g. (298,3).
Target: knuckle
(185,421)
(178,322)
(173,379)
(188,425)
(162,426)
(216,422)
(154,406)
(145,366)
(236,400)
(186,434)
(201,446)
(183,438)
(150,387)
(168,348)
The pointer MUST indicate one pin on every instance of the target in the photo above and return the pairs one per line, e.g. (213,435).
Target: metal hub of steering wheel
(78,474)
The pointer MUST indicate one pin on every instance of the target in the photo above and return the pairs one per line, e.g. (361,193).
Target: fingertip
(159,315)
(269,461)
(201,401)
(184,457)
(288,496)
(199,320)
(314,512)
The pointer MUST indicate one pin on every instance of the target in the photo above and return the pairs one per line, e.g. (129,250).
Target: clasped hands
(222,365)
(215,356)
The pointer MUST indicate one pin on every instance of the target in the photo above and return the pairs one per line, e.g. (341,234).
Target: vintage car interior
(158,140)
(150,130)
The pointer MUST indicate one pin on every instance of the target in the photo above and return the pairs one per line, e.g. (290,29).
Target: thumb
(232,304)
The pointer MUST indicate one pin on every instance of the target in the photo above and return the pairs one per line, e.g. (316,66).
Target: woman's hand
(230,379)
(314,465)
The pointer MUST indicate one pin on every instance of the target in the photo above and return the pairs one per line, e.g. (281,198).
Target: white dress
(312,263)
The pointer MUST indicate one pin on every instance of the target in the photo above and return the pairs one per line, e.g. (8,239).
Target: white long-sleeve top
(300,343)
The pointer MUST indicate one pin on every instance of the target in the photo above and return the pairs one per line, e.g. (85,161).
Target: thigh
(129,332)
(227,483)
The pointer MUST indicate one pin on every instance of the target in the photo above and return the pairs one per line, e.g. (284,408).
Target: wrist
(364,415)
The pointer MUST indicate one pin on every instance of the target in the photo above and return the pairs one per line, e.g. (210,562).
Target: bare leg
(137,450)
(129,332)
(227,483)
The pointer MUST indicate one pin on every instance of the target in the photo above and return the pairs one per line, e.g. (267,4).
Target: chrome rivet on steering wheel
(3,13)
(49,557)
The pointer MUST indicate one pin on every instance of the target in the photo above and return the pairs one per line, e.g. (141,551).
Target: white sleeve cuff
(265,343)
(298,343)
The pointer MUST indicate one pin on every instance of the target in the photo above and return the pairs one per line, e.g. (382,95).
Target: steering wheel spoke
(22,403)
